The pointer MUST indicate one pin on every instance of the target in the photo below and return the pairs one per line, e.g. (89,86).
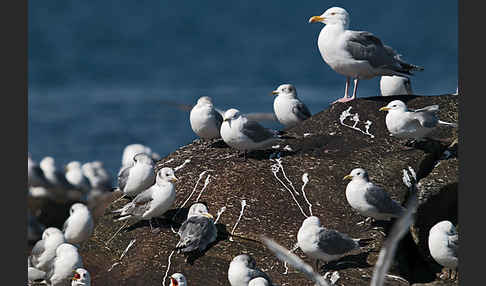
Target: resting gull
(444,244)
(244,134)
(356,54)
(368,199)
(136,178)
(416,124)
(45,249)
(287,106)
(62,266)
(79,226)
(242,269)
(205,119)
(395,85)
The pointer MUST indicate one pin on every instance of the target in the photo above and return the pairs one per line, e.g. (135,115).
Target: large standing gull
(244,134)
(356,54)
(324,244)
(205,119)
(243,269)
(368,199)
(444,244)
(287,106)
(416,124)
(154,201)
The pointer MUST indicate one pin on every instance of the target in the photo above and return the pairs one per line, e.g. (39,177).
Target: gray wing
(256,132)
(123,178)
(37,251)
(335,243)
(301,111)
(377,197)
(254,273)
(427,116)
(261,116)
(363,45)
(195,231)
(408,86)
(218,117)
(140,204)
(453,244)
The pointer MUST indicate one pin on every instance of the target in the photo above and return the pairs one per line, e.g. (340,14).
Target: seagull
(98,177)
(75,176)
(138,177)
(62,266)
(154,201)
(57,178)
(81,277)
(79,226)
(242,269)
(356,54)
(444,244)
(178,279)
(246,135)
(412,124)
(36,177)
(395,85)
(133,149)
(324,244)
(45,249)
(287,106)
(368,199)
(198,230)
(205,119)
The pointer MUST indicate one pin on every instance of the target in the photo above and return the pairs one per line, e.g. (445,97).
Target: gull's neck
(335,28)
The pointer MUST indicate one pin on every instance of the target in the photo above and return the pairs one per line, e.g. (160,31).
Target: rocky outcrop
(326,147)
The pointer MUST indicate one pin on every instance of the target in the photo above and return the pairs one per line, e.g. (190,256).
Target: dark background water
(101,73)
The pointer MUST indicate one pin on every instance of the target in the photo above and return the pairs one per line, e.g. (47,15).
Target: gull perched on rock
(287,106)
(356,54)
(198,230)
(402,122)
(97,175)
(133,149)
(75,176)
(79,226)
(395,85)
(368,199)
(62,266)
(444,244)
(136,178)
(36,177)
(246,135)
(324,244)
(242,270)
(205,119)
(81,277)
(45,249)
(178,279)
(59,184)
(154,201)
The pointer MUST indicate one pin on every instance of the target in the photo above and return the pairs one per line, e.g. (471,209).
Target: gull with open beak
(153,202)
(368,199)
(178,279)
(287,106)
(356,54)
(81,277)
(197,231)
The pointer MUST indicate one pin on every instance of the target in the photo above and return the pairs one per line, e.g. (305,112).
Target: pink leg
(355,88)
(346,93)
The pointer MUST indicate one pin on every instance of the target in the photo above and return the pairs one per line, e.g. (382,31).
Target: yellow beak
(208,215)
(174,179)
(347,177)
(384,108)
(274,92)
(315,19)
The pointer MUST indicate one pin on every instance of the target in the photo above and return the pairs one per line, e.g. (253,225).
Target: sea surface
(105,74)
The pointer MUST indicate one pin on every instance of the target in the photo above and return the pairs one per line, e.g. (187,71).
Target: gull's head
(358,174)
(312,220)
(231,114)
(204,100)
(198,209)
(166,174)
(395,105)
(76,207)
(245,260)
(73,165)
(334,15)
(444,226)
(177,279)
(143,158)
(51,231)
(80,277)
(285,90)
(47,163)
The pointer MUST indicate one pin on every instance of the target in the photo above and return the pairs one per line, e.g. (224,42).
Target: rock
(327,152)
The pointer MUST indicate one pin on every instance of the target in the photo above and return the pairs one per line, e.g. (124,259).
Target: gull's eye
(333,13)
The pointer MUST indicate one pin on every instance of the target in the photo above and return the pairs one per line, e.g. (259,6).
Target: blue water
(101,73)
